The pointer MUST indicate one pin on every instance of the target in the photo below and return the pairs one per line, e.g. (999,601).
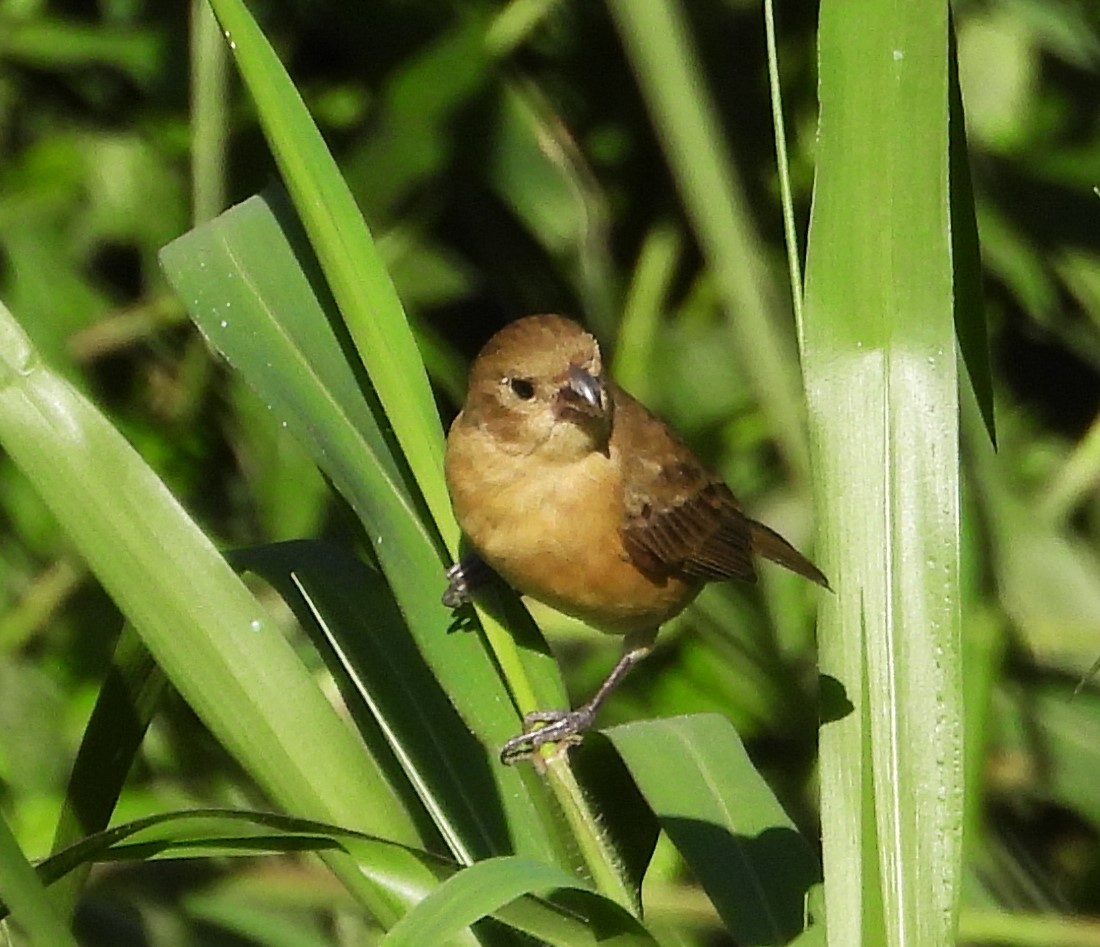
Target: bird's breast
(552,530)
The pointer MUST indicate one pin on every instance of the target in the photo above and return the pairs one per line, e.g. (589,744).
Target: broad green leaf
(205,629)
(751,860)
(250,284)
(880,361)
(472,894)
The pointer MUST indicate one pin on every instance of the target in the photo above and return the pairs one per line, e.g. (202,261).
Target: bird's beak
(588,387)
(582,394)
(584,400)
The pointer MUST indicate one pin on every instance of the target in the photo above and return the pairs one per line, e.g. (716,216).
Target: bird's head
(539,387)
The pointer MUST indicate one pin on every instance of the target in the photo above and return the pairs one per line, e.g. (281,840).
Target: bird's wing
(703,535)
(678,517)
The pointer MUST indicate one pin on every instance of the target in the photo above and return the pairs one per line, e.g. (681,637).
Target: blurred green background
(528,177)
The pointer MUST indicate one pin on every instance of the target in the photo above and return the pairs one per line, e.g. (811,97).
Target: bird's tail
(771,545)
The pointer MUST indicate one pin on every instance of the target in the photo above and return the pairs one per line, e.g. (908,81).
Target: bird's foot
(462,578)
(548,726)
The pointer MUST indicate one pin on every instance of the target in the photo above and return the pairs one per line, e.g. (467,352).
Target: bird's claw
(457,592)
(463,578)
(540,727)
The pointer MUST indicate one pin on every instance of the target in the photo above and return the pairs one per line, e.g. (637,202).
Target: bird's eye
(522,388)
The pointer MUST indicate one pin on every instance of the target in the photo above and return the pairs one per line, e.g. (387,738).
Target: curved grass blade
(209,832)
(575,918)
(970,325)
(483,889)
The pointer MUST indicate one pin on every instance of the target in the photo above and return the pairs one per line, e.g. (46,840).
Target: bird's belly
(556,538)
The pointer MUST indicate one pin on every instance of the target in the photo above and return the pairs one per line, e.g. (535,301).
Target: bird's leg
(568,726)
(463,577)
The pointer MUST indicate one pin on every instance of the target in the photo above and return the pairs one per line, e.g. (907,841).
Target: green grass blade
(970,327)
(348,609)
(408,875)
(209,113)
(575,917)
(201,833)
(250,284)
(656,40)
(880,362)
(125,706)
(349,257)
(25,896)
(783,165)
(472,894)
(207,632)
(489,886)
(646,299)
(366,298)
(754,865)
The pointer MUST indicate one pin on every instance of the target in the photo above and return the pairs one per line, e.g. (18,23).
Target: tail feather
(770,545)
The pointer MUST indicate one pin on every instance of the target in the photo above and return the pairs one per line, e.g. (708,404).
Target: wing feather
(703,535)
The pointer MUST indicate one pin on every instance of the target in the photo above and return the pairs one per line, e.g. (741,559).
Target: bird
(579,497)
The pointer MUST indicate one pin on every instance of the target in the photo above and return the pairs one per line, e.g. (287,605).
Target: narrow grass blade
(450,897)
(349,257)
(754,865)
(125,706)
(352,616)
(880,362)
(202,833)
(656,38)
(970,327)
(209,113)
(641,317)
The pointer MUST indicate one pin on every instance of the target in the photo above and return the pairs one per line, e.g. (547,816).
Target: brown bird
(581,498)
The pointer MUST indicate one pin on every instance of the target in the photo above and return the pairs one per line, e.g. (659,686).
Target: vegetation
(226,680)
